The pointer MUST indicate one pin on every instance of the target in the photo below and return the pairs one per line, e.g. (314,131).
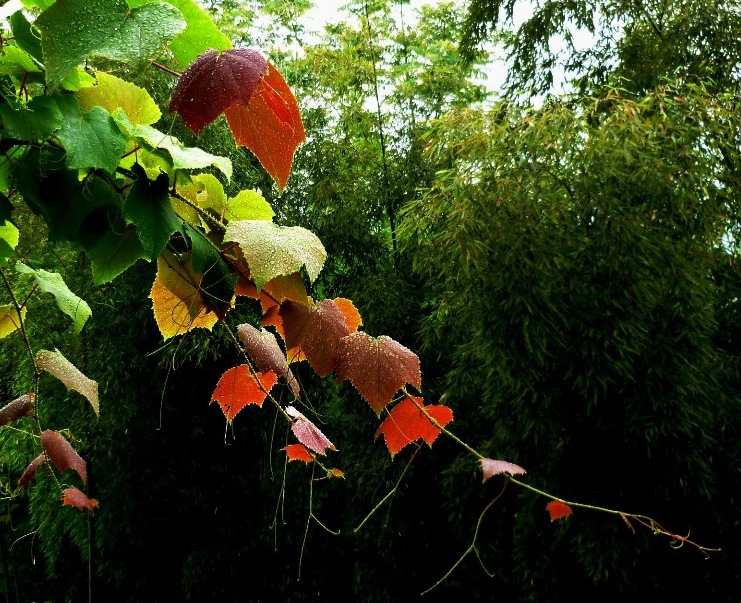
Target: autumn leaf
(264,350)
(558,510)
(350,312)
(61,453)
(76,498)
(57,365)
(31,470)
(491,467)
(237,388)
(307,433)
(16,409)
(10,320)
(377,367)
(315,331)
(407,422)
(177,300)
(260,109)
(298,452)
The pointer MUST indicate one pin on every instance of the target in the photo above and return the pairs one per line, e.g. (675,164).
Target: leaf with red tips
(307,433)
(490,467)
(377,367)
(76,498)
(298,452)
(264,350)
(16,409)
(407,422)
(31,470)
(260,108)
(315,331)
(237,388)
(61,453)
(558,510)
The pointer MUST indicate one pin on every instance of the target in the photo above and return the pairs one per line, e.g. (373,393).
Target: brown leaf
(31,470)
(61,453)
(16,409)
(377,367)
(264,350)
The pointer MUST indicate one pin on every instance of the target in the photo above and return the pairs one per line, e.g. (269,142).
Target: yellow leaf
(9,320)
(112,93)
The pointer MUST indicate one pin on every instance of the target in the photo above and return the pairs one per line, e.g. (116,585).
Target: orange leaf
(337,473)
(558,510)
(237,388)
(377,367)
(350,312)
(407,423)
(298,452)
(75,498)
(61,453)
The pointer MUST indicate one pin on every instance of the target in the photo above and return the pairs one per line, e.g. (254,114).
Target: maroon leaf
(314,331)
(61,453)
(214,82)
(490,467)
(76,498)
(307,433)
(377,367)
(31,470)
(264,350)
(16,409)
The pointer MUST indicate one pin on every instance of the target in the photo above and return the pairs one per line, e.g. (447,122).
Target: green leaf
(77,80)
(17,62)
(148,207)
(200,34)
(272,250)
(92,139)
(183,158)
(113,93)
(75,30)
(24,35)
(8,231)
(118,249)
(36,120)
(69,303)
(248,205)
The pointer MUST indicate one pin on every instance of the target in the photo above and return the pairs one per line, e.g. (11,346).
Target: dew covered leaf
(377,367)
(407,423)
(265,352)
(314,331)
(57,365)
(558,510)
(307,433)
(177,300)
(492,467)
(69,303)
(74,497)
(74,30)
(37,119)
(12,411)
(272,250)
(237,388)
(113,93)
(30,471)
(298,452)
(62,455)
(10,321)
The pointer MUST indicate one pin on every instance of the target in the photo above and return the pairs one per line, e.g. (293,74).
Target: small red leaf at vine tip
(377,367)
(307,433)
(16,409)
(298,452)
(76,498)
(237,388)
(492,467)
(61,453)
(31,470)
(407,422)
(558,510)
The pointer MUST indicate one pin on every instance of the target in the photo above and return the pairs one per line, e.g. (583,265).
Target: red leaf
(377,367)
(214,82)
(558,510)
(307,433)
(237,388)
(407,423)
(298,452)
(61,453)
(273,141)
(75,498)
(264,350)
(491,467)
(314,331)
(31,470)
(16,409)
